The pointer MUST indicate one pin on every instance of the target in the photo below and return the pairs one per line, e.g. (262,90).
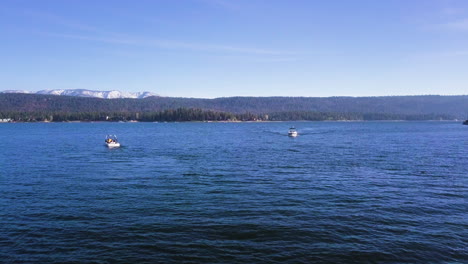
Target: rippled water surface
(355,192)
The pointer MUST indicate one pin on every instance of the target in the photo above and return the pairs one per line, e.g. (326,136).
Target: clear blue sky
(216,48)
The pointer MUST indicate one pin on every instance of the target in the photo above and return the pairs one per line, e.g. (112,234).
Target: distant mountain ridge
(113,94)
(447,107)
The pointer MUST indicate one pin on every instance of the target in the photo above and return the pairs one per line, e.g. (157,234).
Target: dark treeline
(191,114)
(405,106)
(320,116)
(171,115)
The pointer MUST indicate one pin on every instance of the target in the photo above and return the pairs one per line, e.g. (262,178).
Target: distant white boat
(112,141)
(292,132)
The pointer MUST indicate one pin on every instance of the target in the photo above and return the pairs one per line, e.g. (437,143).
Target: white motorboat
(112,141)
(292,132)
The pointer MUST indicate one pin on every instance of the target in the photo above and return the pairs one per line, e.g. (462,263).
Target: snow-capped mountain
(16,91)
(88,93)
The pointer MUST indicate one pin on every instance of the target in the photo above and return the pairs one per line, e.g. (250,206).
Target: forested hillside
(270,108)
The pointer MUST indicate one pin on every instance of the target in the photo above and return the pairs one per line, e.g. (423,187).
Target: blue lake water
(341,192)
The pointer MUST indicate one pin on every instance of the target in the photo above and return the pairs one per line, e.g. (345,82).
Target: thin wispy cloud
(109,40)
(168,44)
(58,20)
(230,5)
(90,33)
(450,11)
(448,19)
(436,55)
(247,58)
(455,53)
(458,25)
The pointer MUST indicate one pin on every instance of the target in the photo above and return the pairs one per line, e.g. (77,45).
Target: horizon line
(219,97)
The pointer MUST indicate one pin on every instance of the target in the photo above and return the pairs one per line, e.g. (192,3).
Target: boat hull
(113,145)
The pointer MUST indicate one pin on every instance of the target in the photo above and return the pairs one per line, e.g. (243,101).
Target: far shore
(249,121)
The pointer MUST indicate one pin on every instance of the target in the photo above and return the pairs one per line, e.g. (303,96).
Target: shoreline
(259,121)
